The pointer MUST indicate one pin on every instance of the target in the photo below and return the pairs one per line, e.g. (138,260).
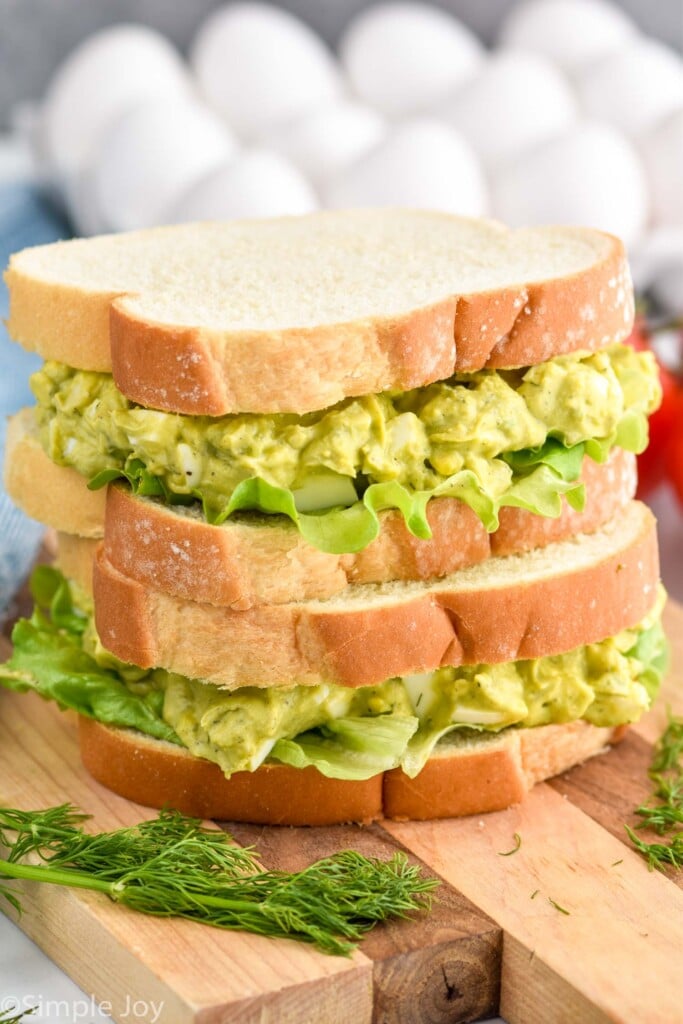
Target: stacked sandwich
(345,510)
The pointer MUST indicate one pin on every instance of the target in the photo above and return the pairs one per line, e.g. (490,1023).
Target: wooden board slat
(625,924)
(608,788)
(487,934)
(200,973)
(437,968)
(445,967)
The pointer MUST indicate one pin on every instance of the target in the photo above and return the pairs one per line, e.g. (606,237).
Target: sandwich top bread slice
(494,353)
(296,314)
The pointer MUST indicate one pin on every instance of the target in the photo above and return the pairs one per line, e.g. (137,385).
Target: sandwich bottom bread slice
(456,736)
(468,773)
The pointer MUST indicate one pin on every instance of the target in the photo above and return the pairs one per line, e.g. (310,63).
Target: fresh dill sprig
(14,1016)
(174,866)
(659,854)
(518,842)
(664,818)
(562,910)
(668,752)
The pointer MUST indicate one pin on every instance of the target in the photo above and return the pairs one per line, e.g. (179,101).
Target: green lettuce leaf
(349,748)
(142,482)
(566,462)
(541,477)
(343,530)
(652,651)
(49,660)
(51,591)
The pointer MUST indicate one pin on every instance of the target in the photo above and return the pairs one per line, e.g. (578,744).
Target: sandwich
(344,507)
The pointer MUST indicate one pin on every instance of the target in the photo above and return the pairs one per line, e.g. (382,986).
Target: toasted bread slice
(298,313)
(463,776)
(543,602)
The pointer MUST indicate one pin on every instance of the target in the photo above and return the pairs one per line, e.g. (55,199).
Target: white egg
(634,88)
(421,163)
(591,175)
(257,183)
(259,66)
(570,32)
(82,207)
(662,153)
(402,57)
(107,74)
(514,101)
(324,141)
(657,265)
(668,288)
(152,155)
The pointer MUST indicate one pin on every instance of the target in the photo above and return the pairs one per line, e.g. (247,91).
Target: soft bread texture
(75,556)
(252,560)
(298,313)
(464,776)
(55,495)
(539,603)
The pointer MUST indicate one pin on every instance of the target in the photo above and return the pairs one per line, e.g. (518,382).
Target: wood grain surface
(494,939)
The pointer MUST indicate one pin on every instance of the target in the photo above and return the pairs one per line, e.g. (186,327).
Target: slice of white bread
(252,560)
(297,313)
(539,603)
(74,557)
(265,560)
(55,495)
(465,775)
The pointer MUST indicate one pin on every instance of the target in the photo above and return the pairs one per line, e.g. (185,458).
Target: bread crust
(199,374)
(481,778)
(250,561)
(189,368)
(541,603)
(492,778)
(241,565)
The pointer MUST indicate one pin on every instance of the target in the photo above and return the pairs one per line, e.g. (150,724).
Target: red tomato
(653,462)
(639,338)
(674,454)
(658,461)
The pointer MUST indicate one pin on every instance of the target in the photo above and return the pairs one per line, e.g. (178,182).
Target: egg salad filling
(491,438)
(344,732)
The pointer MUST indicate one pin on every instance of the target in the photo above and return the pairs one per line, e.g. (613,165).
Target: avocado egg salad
(345,732)
(490,438)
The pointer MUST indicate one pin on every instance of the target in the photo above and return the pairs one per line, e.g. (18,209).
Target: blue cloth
(25,219)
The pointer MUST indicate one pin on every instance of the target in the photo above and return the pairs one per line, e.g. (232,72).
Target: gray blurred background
(36,34)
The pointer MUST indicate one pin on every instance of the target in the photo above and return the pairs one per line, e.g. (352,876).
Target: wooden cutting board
(494,942)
